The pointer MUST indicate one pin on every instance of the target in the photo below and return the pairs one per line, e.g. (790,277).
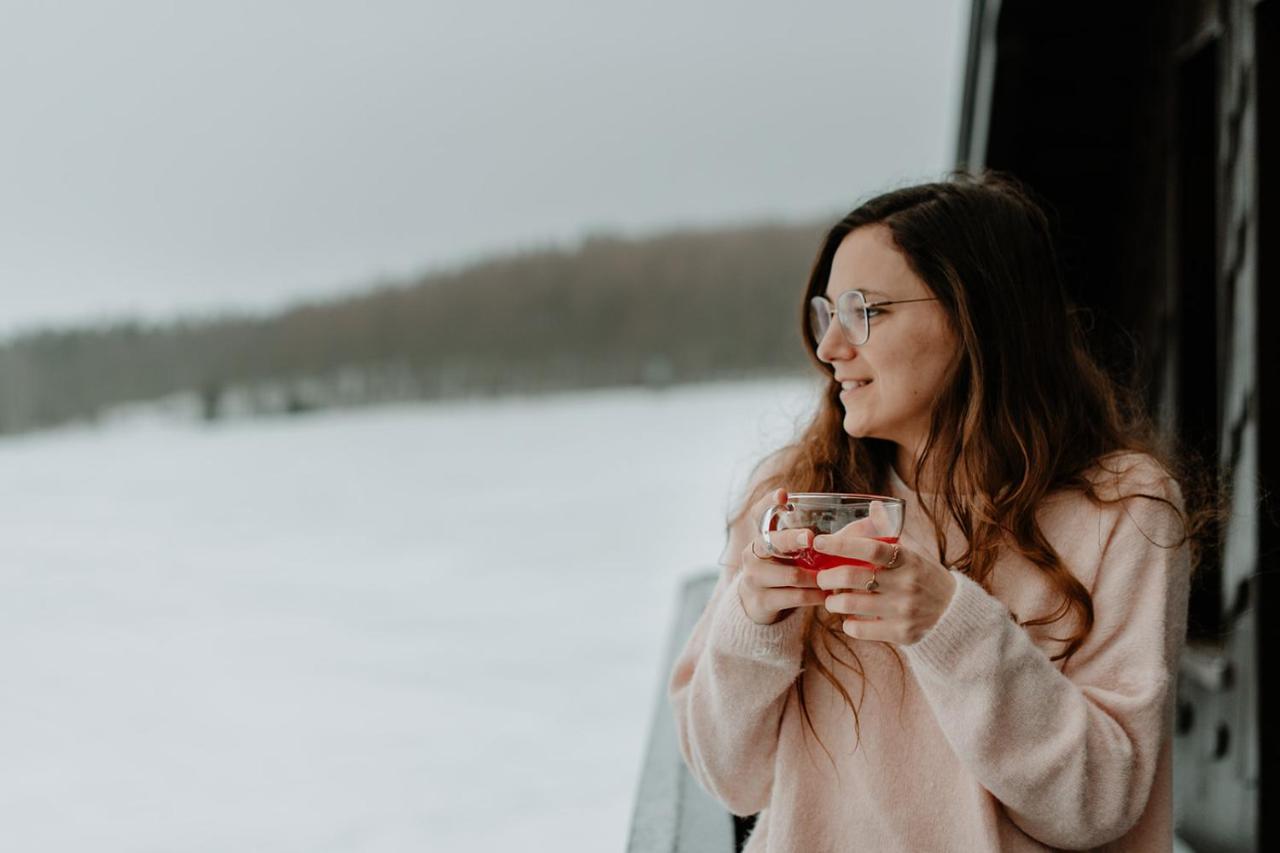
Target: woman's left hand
(910,594)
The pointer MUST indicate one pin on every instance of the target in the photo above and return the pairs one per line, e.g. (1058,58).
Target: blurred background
(373,378)
(370,376)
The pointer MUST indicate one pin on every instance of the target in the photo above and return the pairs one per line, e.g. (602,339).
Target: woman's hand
(770,590)
(909,596)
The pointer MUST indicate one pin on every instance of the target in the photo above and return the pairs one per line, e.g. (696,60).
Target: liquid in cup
(875,516)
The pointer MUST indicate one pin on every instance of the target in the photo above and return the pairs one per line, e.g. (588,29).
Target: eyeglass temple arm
(901,301)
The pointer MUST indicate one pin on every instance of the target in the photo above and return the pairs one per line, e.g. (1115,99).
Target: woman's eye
(874,312)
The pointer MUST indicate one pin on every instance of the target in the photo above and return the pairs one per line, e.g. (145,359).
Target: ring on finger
(893,561)
(872,585)
(768,551)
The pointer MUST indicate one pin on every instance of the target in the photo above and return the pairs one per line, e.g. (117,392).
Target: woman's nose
(834,345)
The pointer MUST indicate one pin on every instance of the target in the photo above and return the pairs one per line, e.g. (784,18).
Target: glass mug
(876,517)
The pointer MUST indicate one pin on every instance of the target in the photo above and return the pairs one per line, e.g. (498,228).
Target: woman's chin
(856,428)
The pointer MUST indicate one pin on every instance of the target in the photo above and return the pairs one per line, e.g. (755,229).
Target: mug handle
(770,514)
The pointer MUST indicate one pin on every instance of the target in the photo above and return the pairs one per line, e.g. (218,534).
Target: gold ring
(893,561)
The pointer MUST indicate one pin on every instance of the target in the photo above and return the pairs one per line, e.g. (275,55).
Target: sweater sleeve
(727,690)
(1070,753)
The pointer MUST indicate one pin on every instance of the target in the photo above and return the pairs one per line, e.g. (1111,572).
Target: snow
(432,627)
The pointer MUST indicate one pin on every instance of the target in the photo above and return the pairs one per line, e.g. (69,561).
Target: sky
(161,160)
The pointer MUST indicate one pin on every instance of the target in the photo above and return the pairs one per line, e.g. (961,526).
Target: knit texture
(971,739)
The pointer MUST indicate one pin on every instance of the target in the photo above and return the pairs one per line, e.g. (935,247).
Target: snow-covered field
(409,628)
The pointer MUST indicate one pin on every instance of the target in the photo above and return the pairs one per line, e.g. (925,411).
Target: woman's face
(908,353)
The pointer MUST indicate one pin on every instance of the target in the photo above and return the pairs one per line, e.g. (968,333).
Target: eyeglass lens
(851,312)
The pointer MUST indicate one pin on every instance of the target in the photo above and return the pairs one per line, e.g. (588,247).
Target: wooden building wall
(1144,126)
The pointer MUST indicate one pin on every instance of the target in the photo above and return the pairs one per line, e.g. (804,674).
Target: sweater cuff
(732,631)
(972,615)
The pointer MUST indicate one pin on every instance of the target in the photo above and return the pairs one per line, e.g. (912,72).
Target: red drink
(829,512)
(816,561)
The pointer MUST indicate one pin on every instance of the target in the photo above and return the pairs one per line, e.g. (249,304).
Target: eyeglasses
(855,314)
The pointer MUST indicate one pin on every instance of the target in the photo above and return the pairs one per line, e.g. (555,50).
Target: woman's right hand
(770,590)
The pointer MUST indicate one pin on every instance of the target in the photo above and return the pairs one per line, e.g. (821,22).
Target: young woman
(1008,682)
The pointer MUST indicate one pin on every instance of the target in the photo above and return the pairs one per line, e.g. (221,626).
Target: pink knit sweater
(980,742)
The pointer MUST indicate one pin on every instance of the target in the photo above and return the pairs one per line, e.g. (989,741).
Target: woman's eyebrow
(868,291)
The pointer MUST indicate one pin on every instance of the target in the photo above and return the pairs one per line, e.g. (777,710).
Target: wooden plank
(672,812)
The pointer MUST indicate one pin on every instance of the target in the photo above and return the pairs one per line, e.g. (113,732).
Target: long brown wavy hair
(1026,411)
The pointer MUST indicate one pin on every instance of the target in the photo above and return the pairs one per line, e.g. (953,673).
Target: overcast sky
(162,158)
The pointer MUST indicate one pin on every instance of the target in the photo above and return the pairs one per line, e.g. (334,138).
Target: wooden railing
(672,812)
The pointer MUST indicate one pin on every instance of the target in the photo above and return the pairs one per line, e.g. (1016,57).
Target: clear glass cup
(874,516)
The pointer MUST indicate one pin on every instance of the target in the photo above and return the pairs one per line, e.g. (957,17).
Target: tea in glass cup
(875,516)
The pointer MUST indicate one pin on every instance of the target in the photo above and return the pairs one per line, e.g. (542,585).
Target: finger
(860,603)
(778,498)
(861,527)
(845,577)
(785,599)
(869,629)
(789,541)
(871,551)
(780,545)
(877,522)
(856,578)
(767,574)
(882,522)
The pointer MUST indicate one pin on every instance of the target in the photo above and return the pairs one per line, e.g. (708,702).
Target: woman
(1008,682)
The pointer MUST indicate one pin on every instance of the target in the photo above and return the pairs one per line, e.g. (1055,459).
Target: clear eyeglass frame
(854,313)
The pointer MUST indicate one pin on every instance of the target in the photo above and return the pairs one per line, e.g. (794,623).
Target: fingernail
(819,542)
(804,538)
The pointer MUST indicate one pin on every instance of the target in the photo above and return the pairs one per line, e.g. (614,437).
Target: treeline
(683,306)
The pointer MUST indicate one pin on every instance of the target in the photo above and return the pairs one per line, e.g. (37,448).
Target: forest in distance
(682,306)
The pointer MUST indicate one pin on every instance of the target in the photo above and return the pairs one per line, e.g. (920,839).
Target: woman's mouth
(851,385)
